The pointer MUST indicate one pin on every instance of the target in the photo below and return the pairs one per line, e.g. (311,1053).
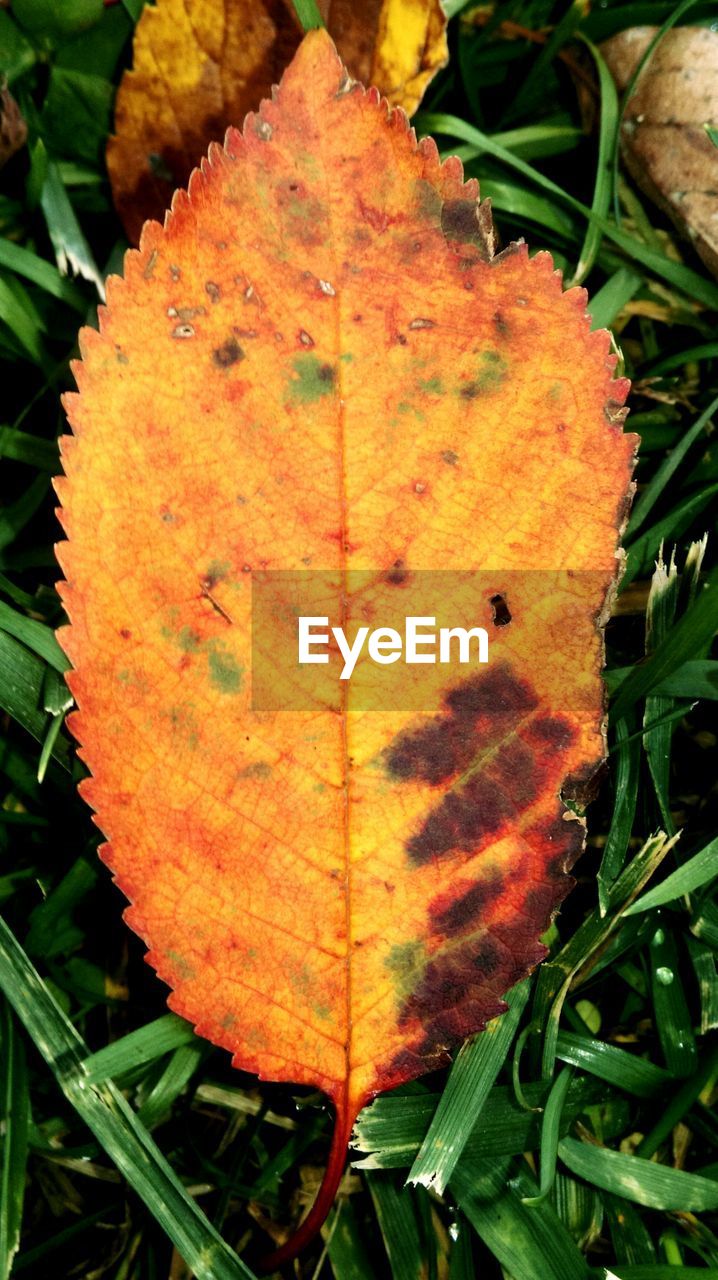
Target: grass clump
(576,1139)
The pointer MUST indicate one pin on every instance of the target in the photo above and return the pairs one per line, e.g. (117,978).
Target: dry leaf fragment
(663,138)
(201,65)
(318,361)
(13,129)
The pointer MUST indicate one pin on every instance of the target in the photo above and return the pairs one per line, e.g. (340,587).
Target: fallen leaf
(318,364)
(201,65)
(663,138)
(13,129)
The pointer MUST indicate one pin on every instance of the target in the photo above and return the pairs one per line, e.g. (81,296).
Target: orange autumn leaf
(318,366)
(200,65)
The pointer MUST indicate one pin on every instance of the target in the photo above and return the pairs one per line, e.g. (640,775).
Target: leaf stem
(343,1125)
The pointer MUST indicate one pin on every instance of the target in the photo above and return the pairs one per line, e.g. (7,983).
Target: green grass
(574,1139)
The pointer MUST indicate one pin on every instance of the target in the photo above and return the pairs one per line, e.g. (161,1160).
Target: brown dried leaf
(664,143)
(200,65)
(13,130)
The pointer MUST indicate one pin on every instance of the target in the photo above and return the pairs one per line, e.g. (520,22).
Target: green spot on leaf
(314,379)
(224,672)
(490,374)
(432,386)
(403,961)
(188,640)
(217,570)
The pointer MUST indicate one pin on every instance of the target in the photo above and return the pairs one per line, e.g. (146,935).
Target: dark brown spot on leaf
(464,910)
(445,999)
(398,573)
(462,820)
(497,693)
(459,219)
(228,354)
(479,711)
(476,736)
(555,731)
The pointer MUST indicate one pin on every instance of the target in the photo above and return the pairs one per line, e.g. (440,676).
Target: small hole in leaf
(500,610)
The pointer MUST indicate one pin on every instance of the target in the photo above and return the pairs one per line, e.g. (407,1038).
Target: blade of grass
(21,322)
(53,931)
(18,446)
(529,1241)
(696,871)
(395,1210)
(666,471)
(616,1066)
(183,1063)
(657,1271)
(25,263)
(50,742)
(704,965)
(308,14)
(688,639)
(670,1007)
(18,513)
(608,125)
(606,303)
(658,727)
(704,924)
(110,1118)
(562,32)
(550,1128)
(72,251)
(14,1124)
(670,527)
(631,1239)
(705,351)
(476,1067)
(389,1133)
(22,677)
(138,1048)
(654,1185)
(580,1208)
(677,1106)
(348,1257)
(558,973)
(511,198)
(461,1261)
(530,141)
(624,809)
(32,1256)
(35,635)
